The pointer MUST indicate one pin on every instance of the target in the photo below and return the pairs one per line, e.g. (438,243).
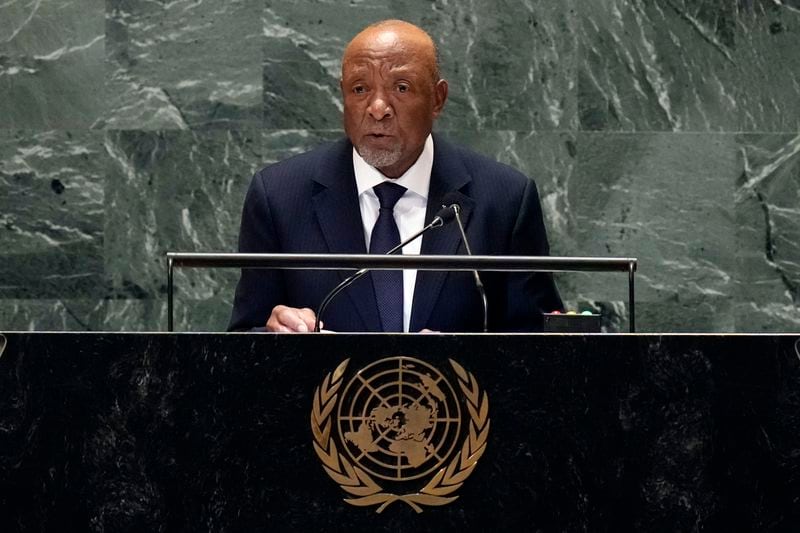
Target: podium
(131,432)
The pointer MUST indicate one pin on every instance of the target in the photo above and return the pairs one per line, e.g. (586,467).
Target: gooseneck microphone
(443,216)
(478,282)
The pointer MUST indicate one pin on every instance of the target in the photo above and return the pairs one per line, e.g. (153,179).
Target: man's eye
(402,88)
(359,89)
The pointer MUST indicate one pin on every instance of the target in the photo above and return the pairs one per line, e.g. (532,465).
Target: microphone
(478,283)
(442,217)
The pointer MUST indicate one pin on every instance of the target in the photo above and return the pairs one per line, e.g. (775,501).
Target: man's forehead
(363,64)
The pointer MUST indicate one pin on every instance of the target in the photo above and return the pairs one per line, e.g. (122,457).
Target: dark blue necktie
(385,236)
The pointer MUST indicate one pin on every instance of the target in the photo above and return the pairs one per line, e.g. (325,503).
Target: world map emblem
(398,430)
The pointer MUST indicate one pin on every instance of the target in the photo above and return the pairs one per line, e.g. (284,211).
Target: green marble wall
(668,130)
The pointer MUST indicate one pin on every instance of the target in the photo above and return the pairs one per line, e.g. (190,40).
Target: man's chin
(379,158)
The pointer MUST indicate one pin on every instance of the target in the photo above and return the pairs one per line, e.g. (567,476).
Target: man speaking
(376,188)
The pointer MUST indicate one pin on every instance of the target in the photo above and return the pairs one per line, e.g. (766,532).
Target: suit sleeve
(258,290)
(529,294)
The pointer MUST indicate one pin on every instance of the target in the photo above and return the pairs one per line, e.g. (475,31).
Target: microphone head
(448,211)
(449,206)
(445,215)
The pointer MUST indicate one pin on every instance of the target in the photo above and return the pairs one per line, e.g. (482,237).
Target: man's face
(390,98)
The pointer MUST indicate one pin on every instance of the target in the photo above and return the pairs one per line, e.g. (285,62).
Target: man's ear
(439,97)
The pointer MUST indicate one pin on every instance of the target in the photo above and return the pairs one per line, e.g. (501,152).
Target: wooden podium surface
(167,432)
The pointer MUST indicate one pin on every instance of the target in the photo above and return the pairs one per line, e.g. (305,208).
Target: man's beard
(381,157)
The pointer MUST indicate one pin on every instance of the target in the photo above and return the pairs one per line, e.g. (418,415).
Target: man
(379,186)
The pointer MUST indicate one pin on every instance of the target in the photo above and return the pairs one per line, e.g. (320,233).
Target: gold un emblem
(397,433)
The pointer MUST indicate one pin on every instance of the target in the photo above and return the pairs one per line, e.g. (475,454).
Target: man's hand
(291,320)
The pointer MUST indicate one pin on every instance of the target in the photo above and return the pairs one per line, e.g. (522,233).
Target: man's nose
(379,108)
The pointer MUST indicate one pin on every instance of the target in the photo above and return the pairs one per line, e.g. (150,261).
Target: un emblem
(399,424)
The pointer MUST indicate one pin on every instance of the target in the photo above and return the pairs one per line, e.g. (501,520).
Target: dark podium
(195,432)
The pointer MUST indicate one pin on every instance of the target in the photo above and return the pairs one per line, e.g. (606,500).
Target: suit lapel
(448,176)
(335,203)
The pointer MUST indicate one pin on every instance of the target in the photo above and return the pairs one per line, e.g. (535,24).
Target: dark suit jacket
(309,204)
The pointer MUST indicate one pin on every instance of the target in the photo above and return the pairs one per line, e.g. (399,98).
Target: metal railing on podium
(494,263)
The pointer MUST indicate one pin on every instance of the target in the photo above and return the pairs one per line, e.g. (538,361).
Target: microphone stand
(478,282)
(437,221)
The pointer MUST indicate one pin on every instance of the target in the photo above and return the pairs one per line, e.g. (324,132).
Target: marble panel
(511,64)
(171,191)
(51,214)
(51,63)
(183,192)
(298,91)
(183,64)
(768,233)
(551,158)
(52,315)
(666,199)
(190,314)
(684,65)
(280,145)
(686,314)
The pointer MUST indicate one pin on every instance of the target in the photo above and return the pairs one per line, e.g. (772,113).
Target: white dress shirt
(409,212)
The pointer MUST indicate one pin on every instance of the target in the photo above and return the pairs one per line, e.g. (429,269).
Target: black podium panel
(167,432)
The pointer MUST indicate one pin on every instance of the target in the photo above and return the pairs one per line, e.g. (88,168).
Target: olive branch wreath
(359,484)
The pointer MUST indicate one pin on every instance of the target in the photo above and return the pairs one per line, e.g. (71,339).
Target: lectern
(399,432)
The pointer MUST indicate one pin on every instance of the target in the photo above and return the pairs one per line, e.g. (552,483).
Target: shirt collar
(416,179)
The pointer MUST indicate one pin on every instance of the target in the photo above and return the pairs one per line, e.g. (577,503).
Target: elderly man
(378,187)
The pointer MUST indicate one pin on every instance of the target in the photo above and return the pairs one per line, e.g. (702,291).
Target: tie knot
(388,194)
